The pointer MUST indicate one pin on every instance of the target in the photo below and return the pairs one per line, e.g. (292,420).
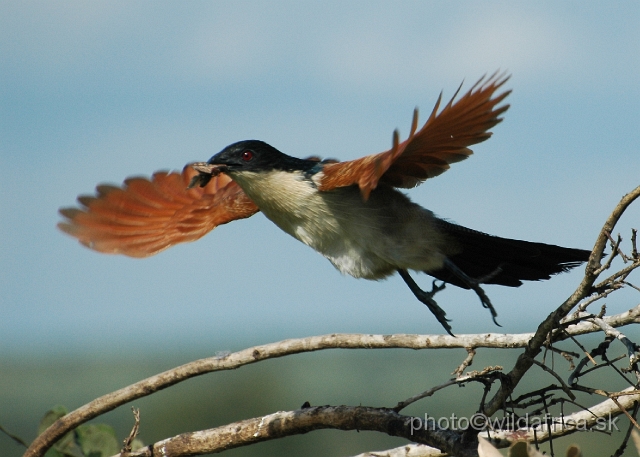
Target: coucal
(350,212)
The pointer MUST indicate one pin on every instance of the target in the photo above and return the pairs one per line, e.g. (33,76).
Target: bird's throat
(287,198)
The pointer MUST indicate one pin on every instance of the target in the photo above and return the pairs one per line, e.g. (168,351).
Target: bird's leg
(427,298)
(474,284)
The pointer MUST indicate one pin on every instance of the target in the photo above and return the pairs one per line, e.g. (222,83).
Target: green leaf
(65,446)
(519,449)
(523,449)
(53,452)
(574,451)
(137,444)
(50,417)
(97,440)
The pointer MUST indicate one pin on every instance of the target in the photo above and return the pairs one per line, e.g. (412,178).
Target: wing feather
(444,139)
(146,216)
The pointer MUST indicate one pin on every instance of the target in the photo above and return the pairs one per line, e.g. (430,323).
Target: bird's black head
(256,156)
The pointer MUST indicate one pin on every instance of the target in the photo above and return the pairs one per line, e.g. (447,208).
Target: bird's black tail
(503,261)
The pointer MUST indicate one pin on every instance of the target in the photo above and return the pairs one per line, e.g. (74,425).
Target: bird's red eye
(247,155)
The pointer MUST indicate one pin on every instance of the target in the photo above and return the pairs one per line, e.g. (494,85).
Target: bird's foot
(484,299)
(474,284)
(427,298)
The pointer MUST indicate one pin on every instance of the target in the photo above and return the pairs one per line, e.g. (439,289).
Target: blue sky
(93,92)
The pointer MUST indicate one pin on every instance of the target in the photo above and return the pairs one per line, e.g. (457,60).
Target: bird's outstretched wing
(144,217)
(444,139)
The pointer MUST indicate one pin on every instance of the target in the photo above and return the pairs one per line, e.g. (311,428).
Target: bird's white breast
(349,232)
(293,203)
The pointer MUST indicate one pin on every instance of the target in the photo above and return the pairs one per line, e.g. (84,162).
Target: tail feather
(504,261)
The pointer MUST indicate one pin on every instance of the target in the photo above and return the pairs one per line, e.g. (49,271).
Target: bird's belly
(316,226)
(369,239)
(350,234)
(345,255)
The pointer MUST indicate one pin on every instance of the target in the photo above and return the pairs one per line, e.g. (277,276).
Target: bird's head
(251,156)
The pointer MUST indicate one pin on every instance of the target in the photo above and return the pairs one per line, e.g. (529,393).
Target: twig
(611,283)
(623,445)
(599,351)
(626,413)
(598,367)
(15,438)
(631,285)
(471,352)
(471,376)
(584,351)
(516,403)
(613,255)
(427,393)
(615,247)
(134,432)
(574,422)
(549,422)
(632,348)
(525,360)
(565,387)
(582,307)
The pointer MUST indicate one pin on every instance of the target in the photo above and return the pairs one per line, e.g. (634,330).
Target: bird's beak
(206,171)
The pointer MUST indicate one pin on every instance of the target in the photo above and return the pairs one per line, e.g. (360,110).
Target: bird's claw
(427,298)
(484,299)
(474,284)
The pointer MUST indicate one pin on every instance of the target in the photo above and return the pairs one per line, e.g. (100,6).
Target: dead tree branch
(535,345)
(287,423)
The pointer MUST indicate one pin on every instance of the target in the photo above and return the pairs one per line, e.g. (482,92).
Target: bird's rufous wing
(146,216)
(444,139)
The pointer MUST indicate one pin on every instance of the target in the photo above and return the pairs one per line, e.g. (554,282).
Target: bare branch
(589,300)
(565,388)
(626,413)
(525,360)
(471,352)
(610,282)
(631,285)
(572,423)
(15,438)
(427,393)
(134,432)
(632,348)
(287,423)
(631,429)
(631,316)
(613,255)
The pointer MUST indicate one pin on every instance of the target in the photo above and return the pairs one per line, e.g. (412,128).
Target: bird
(351,212)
